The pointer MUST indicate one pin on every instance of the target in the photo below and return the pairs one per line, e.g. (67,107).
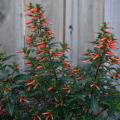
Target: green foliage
(9,89)
(50,88)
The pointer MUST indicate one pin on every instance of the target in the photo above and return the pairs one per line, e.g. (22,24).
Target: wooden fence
(74,21)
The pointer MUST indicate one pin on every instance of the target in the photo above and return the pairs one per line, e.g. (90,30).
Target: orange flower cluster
(107,42)
(105,45)
(29,40)
(76,72)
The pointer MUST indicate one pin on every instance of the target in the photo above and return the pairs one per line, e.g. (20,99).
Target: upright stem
(97,70)
(53,69)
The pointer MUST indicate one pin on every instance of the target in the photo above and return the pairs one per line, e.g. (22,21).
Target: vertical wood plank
(74,37)
(68,30)
(112,16)
(20,28)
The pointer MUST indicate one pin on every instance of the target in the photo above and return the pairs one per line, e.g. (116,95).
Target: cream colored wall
(7,26)
(85,17)
(112,16)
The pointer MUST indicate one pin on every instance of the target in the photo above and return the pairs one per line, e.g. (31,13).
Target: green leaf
(118,107)
(94,105)
(21,77)
(8,57)
(80,96)
(10,107)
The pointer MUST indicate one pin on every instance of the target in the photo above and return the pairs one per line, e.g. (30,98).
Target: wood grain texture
(112,16)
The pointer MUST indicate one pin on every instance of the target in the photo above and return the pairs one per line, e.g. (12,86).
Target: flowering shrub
(51,89)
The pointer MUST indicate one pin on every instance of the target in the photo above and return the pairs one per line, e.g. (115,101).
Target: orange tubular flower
(41,45)
(103,42)
(110,53)
(95,56)
(49,116)
(34,18)
(23,99)
(28,63)
(35,10)
(75,71)
(66,89)
(40,67)
(36,86)
(29,40)
(59,54)
(112,45)
(34,28)
(85,53)
(116,60)
(67,64)
(94,86)
(42,59)
(42,52)
(42,16)
(108,31)
(31,82)
(79,78)
(86,61)
(18,68)
(51,89)
(44,24)
(100,46)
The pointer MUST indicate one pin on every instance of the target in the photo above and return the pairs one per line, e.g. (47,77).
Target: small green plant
(9,88)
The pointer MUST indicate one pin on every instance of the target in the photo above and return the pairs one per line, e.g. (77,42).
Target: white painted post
(72,29)
(68,29)
(75,33)
(20,28)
